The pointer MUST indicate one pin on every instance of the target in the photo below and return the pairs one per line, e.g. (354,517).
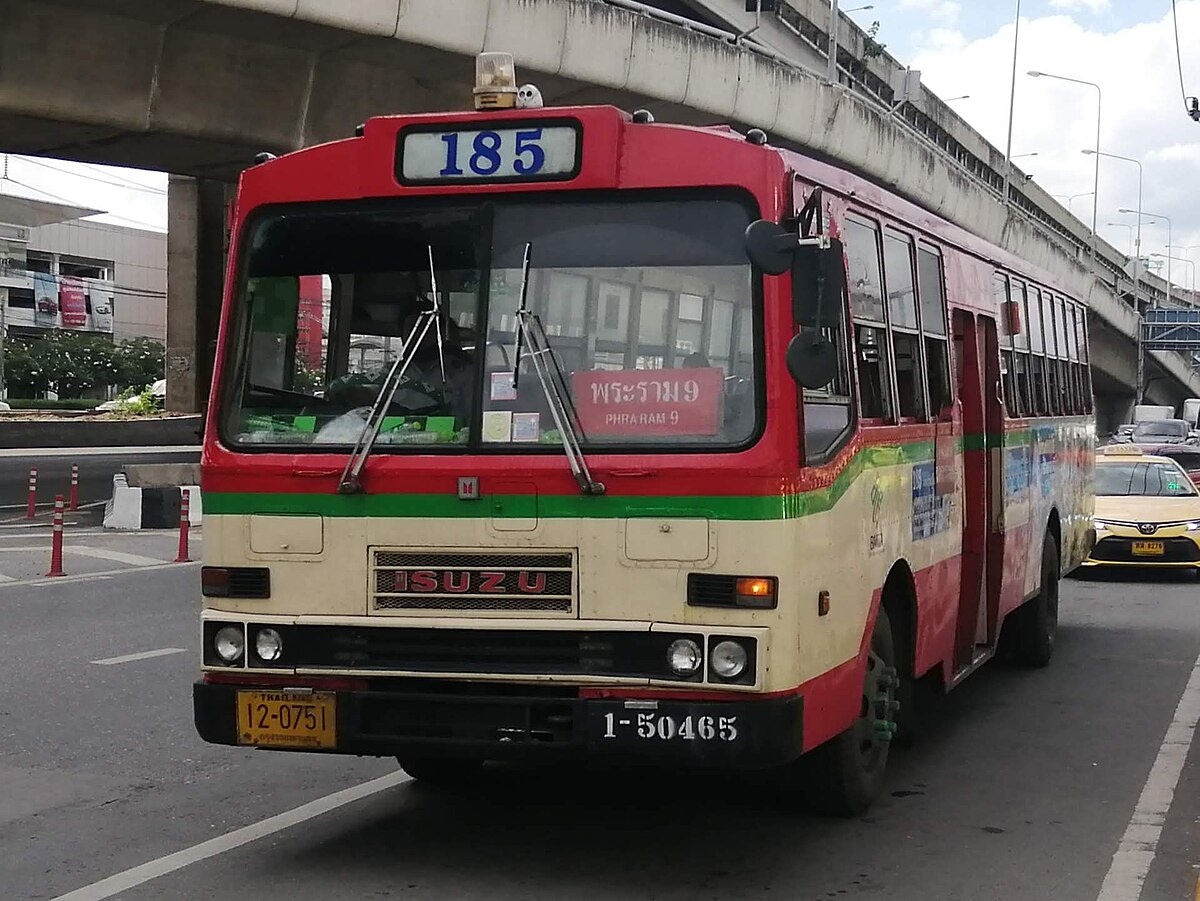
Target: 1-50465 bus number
(269,719)
(490,154)
(663,727)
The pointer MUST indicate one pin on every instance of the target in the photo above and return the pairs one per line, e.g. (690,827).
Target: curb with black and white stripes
(149,508)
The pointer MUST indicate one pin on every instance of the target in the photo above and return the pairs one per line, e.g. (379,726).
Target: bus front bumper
(738,733)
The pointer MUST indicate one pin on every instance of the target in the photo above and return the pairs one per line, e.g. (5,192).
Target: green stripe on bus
(573,506)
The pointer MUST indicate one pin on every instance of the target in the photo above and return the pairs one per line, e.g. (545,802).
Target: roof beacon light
(495,81)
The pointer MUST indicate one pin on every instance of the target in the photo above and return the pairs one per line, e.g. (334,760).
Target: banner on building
(73,302)
(45,299)
(13,262)
(102,309)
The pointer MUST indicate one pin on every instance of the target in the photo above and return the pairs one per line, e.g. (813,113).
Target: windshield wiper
(351,481)
(533,342)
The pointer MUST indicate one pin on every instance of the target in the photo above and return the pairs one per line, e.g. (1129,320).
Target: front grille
(494,651)
(1120,550)
(495,581)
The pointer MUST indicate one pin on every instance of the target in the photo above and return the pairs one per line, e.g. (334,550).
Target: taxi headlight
(1100,525)
(1194,525)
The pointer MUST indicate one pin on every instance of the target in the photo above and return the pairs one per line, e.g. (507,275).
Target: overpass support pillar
(196,247)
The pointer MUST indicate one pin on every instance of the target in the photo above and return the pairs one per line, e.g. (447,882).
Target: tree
(139,362)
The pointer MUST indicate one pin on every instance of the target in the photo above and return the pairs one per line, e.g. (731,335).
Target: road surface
(1023,789)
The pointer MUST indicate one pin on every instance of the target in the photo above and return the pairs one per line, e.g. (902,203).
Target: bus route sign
(650,401)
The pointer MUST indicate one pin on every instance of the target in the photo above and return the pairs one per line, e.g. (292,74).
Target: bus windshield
(647,306)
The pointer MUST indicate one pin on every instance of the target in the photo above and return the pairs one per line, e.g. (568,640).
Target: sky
(960,47)
(1127,47)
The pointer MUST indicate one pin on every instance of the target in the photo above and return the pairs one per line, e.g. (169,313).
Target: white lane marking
(68,452)
(144,873)
(74,580)
(4,578)
(115,556)
(1131,862)
(106,573)
(141,655)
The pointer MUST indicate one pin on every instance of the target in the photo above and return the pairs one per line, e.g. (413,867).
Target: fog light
(684,657)
(728,659)
(268,644)
(229,643)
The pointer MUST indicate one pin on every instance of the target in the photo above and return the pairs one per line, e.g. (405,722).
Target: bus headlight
(229,643)
(728,659)
(268,645)
(684,657)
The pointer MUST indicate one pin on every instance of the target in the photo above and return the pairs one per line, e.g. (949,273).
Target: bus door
(978,374)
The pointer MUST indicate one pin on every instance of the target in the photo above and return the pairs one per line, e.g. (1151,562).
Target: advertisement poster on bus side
(648,402)
(72,302)
(45,299)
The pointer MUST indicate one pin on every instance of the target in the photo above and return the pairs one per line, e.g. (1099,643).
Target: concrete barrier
(70,432)
(157,507)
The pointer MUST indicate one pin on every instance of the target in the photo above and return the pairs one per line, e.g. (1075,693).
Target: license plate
(654,727)
(1148,549)
(274,719)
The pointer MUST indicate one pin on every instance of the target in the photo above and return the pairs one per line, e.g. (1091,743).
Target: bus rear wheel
(1035,624)
(447,771)
(843,776)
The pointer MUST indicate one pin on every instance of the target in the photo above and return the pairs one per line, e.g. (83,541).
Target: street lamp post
(1071,202)
(1142,215)
(1129,225)
(831,74)
(1096,174)
(1184,260)
(1012,102)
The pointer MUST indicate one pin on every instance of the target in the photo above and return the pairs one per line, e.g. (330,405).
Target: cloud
(1142,118)
(940,10)
(1094,6)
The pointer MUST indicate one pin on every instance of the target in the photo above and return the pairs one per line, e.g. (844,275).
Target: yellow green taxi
(1147,511)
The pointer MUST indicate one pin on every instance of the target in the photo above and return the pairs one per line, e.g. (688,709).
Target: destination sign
(527,152)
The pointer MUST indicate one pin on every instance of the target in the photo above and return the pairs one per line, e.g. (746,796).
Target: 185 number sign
(489,154)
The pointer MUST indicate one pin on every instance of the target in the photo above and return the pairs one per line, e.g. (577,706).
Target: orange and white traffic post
(74,487)
(56,546)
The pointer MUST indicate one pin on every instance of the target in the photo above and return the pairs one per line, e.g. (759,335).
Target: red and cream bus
(561,433)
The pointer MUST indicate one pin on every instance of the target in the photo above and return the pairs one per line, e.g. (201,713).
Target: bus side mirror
(770,246)
(817,266)
(819,285)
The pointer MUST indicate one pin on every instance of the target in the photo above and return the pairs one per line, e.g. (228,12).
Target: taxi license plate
(1148,549)
(275,719)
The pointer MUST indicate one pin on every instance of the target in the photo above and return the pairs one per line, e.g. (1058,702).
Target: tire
(447,771)
(1035,624)
(846,774)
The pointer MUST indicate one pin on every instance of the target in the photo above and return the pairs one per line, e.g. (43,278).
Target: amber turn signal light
(756,587)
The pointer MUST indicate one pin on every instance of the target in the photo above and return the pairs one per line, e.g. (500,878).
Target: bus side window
(906,339)
(867,309)
(1085,374)
(933,325)
(1037,360)
(1004,320)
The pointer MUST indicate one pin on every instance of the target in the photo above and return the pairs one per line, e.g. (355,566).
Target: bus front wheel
(843,776)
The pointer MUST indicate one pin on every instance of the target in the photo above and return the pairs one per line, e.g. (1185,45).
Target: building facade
(60,270)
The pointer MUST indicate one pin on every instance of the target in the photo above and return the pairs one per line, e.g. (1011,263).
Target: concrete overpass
(197,87)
